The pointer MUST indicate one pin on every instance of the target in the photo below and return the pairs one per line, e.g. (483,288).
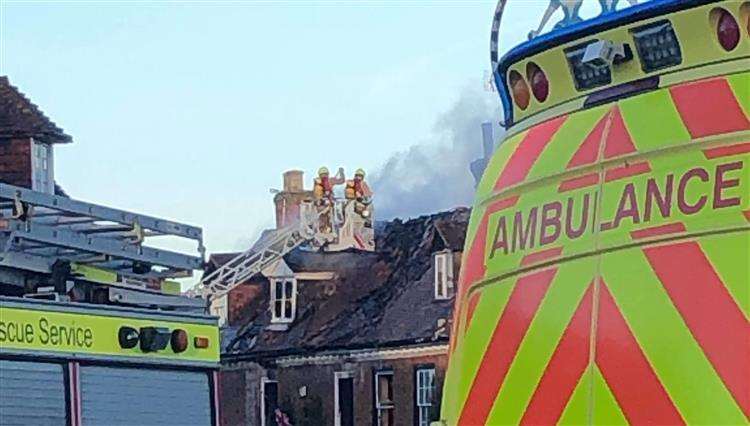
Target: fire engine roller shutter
(31,393)
(138,396)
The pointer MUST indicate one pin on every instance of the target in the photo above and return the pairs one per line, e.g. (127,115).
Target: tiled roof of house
(21,118)
(379,299)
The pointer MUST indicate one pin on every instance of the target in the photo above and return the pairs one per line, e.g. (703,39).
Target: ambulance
(606,275)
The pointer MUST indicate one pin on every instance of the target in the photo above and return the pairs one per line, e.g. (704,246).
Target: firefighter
(357,188)
(323,185)
(323,192)
(358,192)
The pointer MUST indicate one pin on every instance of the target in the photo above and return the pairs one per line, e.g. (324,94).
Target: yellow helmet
(359,172)
(323,171)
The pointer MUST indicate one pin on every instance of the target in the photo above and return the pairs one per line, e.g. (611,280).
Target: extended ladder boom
(257,258)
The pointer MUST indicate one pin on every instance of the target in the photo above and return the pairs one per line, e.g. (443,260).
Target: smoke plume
(434,174)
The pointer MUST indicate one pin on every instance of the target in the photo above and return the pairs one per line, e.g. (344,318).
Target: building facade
(27,139)
(345,338)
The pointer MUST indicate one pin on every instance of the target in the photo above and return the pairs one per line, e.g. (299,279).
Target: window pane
(288,309)
(288,289)
(277,309)
(385,389)
(424,416)
(385,416)
(279,291)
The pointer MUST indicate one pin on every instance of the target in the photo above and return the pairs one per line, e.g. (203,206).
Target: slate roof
(19,118)
(380,299)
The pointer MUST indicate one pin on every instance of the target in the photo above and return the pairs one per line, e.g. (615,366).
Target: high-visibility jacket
(323,187)
(357,189)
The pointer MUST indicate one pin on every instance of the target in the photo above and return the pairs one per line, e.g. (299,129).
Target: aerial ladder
(58,248)
(269,249)
(345,232)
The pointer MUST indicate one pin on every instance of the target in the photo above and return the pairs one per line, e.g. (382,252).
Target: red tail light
(539,82)
(179,340)
(520,89)
(727,30)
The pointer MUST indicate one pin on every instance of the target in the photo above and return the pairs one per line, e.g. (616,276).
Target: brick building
(344,338)
(27,139)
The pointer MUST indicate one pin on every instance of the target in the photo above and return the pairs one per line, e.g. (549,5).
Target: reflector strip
(527,152)
(626,171)
(726,151)
(473,302)
(618,139)
(671,228)
(588,152)
(541,256)
(706,115)
(565,368)
(709,311)
(510,330)
(627,371)
(473,269)
(590,179)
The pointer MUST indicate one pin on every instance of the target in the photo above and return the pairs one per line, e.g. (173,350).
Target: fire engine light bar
(658,46)
(587,75)
(154,338)
(127,337)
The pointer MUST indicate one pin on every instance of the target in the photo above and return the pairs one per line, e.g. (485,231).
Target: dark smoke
(434,174)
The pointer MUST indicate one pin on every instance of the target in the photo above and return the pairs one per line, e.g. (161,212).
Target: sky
(191,110)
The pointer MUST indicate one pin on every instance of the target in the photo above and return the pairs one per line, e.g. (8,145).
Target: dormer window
(283,300)
(443,275)
(42,177)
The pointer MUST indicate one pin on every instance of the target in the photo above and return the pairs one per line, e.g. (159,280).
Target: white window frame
(286,317)
(383,406)
(42,167)
(336,408)
(220,308)
(443,265)
(425,388)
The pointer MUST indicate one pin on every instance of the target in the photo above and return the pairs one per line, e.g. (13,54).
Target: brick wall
(232,397)
(238,300)
(287,206)
(15,162)
(240,394)
(316,407)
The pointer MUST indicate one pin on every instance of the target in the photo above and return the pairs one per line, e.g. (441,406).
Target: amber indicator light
(200,342)
(520,89)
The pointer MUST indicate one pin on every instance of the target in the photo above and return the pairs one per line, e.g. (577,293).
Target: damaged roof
(375,299)
(20,118)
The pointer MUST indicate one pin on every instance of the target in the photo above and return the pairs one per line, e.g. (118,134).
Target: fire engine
(93,331)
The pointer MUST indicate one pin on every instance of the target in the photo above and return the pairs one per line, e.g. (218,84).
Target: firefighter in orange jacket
(357,188)
(323,192)
(358,192)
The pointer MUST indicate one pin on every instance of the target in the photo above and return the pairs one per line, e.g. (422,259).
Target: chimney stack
(488,142)
(288,201)
(293,181)
(488,147)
